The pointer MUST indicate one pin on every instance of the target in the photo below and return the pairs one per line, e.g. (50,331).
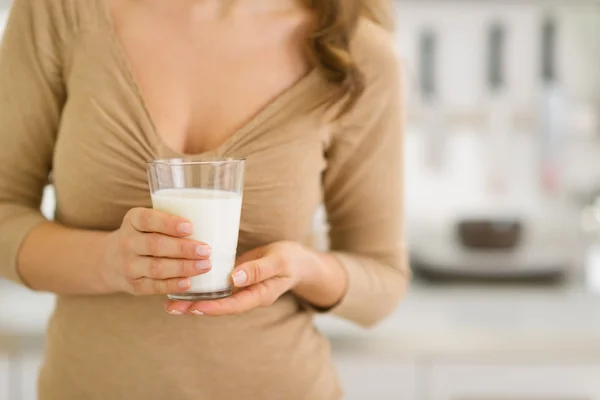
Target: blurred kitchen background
(503,215)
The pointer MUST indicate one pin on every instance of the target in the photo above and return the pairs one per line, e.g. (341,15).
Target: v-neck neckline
(274,105)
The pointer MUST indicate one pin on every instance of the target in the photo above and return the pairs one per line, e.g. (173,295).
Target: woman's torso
(204,71)
(120,346)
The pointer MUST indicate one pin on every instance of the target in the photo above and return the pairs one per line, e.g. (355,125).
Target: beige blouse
(69,104)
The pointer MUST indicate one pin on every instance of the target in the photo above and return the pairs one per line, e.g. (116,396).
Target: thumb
(251,255)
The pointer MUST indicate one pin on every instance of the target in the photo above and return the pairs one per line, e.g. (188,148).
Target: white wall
(462,27)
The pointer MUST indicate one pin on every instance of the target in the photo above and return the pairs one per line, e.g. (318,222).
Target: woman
(307,91)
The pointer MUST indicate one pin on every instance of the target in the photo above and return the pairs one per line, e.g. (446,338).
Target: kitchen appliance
(503,225)
(552,113)
(432,114)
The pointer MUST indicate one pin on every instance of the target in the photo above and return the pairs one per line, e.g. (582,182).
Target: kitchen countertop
(479,321)
(432,320)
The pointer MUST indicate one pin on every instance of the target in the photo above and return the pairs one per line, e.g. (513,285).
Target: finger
(244,300)
(148,286)
(158,245)
(251,255)
(149,220)
(253,272)
(178,307)
(259,295)
(166,268)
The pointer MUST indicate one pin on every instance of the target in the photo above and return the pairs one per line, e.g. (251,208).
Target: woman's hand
(150,254)
(263,275)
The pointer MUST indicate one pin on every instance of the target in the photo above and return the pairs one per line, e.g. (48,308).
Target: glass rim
(172,162)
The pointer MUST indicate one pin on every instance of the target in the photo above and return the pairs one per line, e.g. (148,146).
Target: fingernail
(185,228)
(175,312)
(240,277)
(196,312)
(203,250)
(184,283)
(203,265)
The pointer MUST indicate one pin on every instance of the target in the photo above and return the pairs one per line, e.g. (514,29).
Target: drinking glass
(209,195)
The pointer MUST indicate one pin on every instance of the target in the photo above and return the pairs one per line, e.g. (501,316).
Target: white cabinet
(514,381)
(18,376)
(381,378)
(29,368)
(4,376)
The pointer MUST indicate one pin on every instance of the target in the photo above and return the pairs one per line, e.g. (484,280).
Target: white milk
(215,215)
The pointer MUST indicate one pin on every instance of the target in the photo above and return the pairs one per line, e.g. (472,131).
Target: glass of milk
(209,195)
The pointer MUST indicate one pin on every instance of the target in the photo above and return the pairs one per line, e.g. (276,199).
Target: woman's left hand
(263,275)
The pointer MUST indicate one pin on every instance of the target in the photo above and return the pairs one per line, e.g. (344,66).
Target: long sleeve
(364,196)
(31,98)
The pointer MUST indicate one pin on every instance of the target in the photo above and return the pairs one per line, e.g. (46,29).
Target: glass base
(200,296)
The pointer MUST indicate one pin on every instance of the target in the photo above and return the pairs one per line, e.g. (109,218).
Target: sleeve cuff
(373,290)
(351,306)
(352,302)
(14,231)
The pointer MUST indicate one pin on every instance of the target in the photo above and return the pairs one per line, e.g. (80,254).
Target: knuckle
(128,270)
(157,268)
(130,215)
(266,299)
(125,242)
(292,246)
(188,268)
(132,282)
(161,287)
(137,287)
(144,217)
(172,287)
(153,243)
(285,266)
(185,247)
(285,248)
(286,271)
(256,272)
(158,223)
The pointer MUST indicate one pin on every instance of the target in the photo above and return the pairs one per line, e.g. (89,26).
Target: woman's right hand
(150,254)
